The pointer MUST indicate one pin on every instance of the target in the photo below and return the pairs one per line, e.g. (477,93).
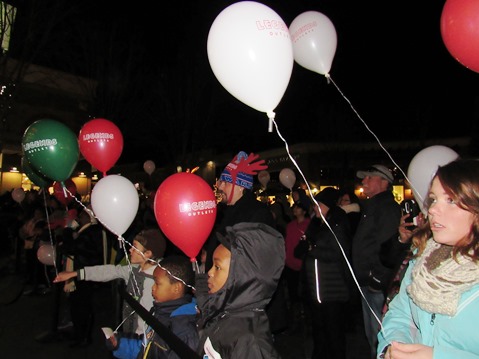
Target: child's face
(163,290)
(218,274)
(137,256)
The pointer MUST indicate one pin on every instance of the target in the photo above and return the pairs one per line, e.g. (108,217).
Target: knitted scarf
(438,280)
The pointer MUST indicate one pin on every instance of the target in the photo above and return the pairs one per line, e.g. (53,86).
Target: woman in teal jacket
(436,311)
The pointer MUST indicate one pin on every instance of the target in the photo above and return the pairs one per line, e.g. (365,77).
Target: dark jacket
(379,222)
(246,209)
(325,267)
(234,318)
(87,248)
(179,316)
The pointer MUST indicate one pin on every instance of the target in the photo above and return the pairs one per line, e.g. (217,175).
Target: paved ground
(26,319)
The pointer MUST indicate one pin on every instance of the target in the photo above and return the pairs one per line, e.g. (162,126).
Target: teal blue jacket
(451,337)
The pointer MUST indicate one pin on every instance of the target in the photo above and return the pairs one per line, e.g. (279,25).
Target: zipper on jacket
(433,317)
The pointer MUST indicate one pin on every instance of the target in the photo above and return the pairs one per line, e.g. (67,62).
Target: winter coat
(139,284)
(294,232)
(246,209)
(452,337)
(325,268)
(233,320)
(179,316)
(87,248)
(379,222)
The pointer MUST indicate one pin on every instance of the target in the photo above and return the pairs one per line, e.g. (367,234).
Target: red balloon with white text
(185,209)
(101,143)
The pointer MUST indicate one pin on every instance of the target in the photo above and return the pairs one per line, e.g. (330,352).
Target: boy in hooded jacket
(247,266)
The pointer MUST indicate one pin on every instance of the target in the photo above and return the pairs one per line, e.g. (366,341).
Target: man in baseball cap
(376,170)
(380,216)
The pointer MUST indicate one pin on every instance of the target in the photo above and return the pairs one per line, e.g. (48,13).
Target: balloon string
(50,234)
(330,80)
(321,213)
(92,214)
(122,243)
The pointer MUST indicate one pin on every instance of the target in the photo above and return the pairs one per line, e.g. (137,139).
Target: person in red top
(294,231)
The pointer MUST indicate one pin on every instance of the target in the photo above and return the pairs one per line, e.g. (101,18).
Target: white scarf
(438,280)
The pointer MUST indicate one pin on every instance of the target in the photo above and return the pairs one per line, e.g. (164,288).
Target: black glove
(301,249)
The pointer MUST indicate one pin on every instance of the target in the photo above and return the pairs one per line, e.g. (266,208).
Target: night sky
(157,85)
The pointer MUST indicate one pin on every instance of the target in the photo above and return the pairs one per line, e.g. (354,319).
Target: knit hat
(241,169)
(377,170)
(153,240)
(328,196)
(304,202)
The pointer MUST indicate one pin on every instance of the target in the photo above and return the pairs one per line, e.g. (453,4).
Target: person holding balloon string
(436,311)
(148,247)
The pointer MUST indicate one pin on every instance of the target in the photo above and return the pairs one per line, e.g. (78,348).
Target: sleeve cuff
(81,274)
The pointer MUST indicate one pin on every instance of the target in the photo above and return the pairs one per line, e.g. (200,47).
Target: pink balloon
(46,254)
(18,195)
(287,178)
(149,167)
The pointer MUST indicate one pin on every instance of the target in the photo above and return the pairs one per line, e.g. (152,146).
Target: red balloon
(185,209)
(101,143)
(460,31)
(63,196)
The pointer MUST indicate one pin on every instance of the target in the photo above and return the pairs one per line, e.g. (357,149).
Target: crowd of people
(274,268)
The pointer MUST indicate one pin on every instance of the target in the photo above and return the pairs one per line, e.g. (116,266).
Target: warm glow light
(83,184)
(11,180)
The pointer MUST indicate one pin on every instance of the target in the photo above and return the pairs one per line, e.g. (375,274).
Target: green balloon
(51,148)
(33,175)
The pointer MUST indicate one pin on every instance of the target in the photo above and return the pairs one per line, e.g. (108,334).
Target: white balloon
(264,178)
(115,202)
(287,178)
(149,167)
(251,55)
(423,167)
(18,195)
(46,254)
(314,41)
